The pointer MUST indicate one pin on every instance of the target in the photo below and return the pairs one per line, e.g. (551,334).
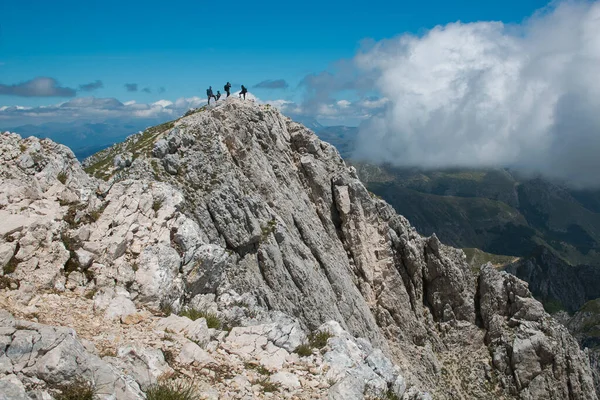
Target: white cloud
(486,94)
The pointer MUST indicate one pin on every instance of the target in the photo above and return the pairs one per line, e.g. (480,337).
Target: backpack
(226,87)
(208,92)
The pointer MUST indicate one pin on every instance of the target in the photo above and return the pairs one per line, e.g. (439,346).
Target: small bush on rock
(319,340)
(304,350)
(78,390)
(267,385)
(171,391)
(62,177)
(212,320)
(157,204)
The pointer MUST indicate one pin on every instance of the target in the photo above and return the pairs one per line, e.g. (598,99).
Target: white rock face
(239,209)
(196,331)
(54,355)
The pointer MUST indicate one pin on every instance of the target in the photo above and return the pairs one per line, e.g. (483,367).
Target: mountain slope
(494,210)
(238,203)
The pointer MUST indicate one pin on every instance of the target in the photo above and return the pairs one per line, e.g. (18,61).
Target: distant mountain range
(85,138)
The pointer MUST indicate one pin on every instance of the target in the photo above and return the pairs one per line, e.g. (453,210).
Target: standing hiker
(243,92)
(227,88)
(209,94)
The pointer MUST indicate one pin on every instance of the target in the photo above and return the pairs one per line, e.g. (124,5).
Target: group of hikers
(227,87)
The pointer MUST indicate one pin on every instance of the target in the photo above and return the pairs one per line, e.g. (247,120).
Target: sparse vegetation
(78,390)
(267,385)
(304,350)
(319,339)
(316,340)
(212,320)
(391,396)
(171,390)
(268,229)
(258,368)
(166,309)
(90,294)
(169,356)
(8,283)
(23,148)
(62,177)
(157,204)
(101,165)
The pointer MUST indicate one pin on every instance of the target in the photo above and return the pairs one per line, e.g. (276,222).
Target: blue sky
(185,46)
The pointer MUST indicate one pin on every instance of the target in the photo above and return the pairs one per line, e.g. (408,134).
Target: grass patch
(267,385)
(212,320)
(316,340)
(166,309)
(304,350)
(171,391)
(62,177)
(157,204)
(476,258)
(319,340)
(78,390)
(258,368)
(391,396)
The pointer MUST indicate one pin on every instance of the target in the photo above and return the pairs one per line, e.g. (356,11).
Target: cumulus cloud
(272,84)
(37,87)
(131,87)
(88,87)
(487,94)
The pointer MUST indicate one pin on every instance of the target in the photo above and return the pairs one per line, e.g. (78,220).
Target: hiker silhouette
(218,95)
(227,88)
(243,92)
(209,94)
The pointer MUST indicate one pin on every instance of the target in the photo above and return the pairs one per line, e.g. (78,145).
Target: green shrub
(266,384)
(62,177)
(157,204)
(78,390)
(304,350)
(212,320)
(171,391)
(166,309)
(258,368)
(319,340)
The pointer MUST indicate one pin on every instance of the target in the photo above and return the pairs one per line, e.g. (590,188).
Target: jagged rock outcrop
(557,283)
(240,199)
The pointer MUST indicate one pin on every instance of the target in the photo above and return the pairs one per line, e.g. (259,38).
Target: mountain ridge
(239,202)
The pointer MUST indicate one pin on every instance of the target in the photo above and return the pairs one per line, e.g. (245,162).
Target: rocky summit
(234,254)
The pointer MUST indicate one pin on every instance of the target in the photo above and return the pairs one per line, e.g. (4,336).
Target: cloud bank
(95,109)
(37,87)
(487,94)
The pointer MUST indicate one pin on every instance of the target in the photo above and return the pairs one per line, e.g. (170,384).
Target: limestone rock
(197,331)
